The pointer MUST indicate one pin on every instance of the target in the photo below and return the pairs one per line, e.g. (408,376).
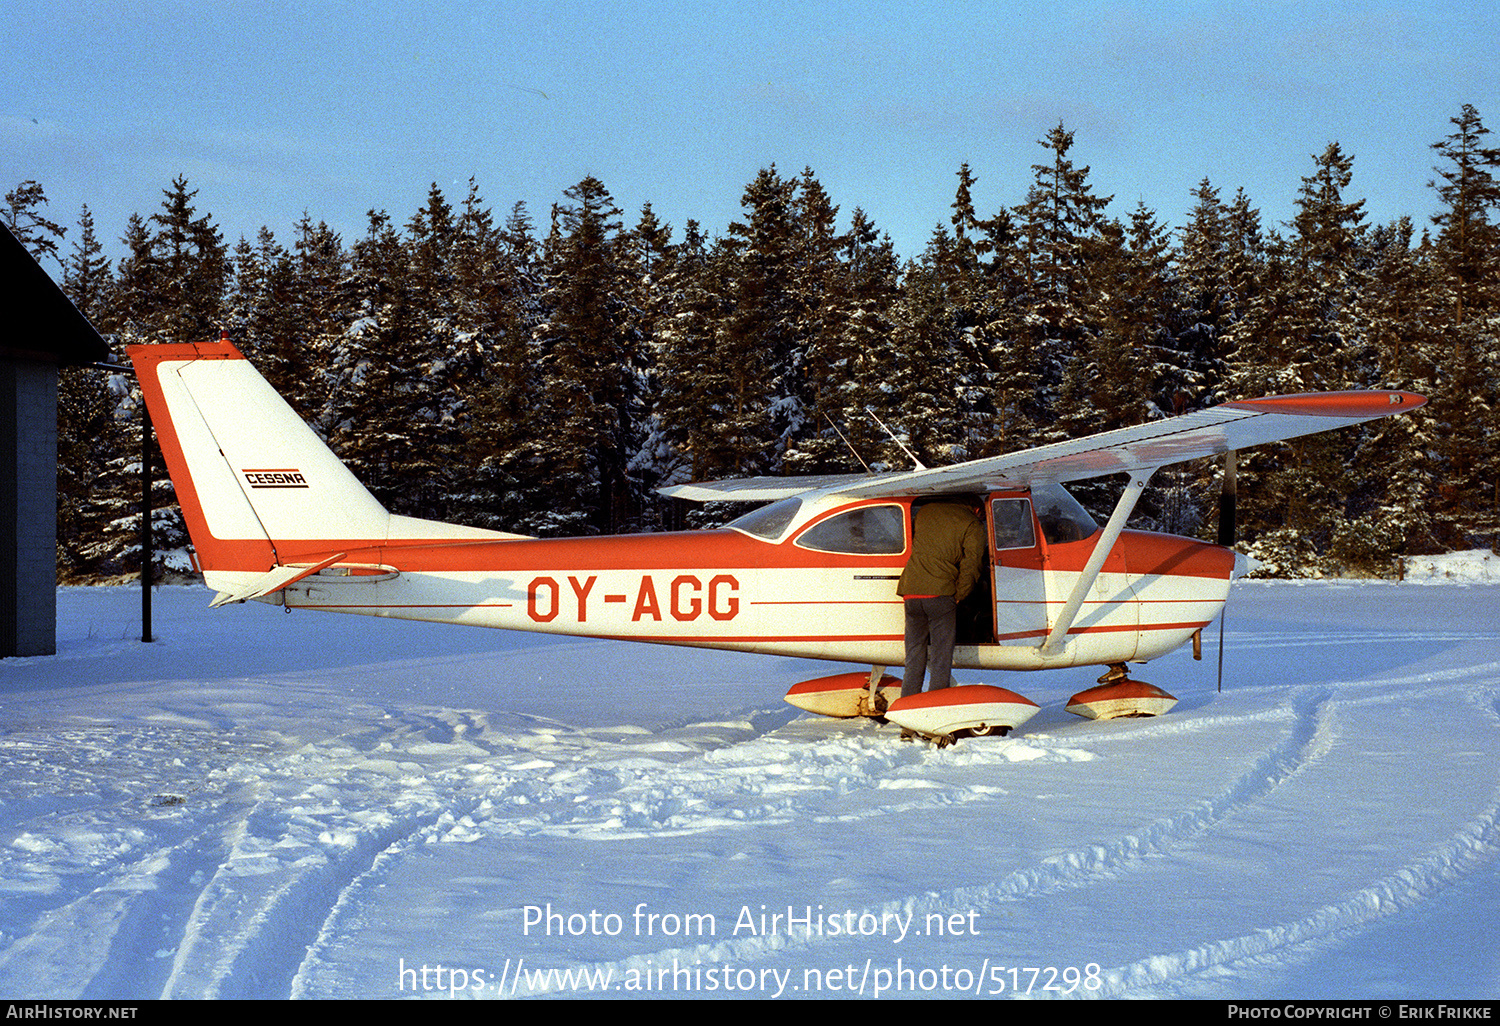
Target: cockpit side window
(865,531)
(1061,516)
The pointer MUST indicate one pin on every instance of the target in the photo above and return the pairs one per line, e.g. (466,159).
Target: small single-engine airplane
(274,516)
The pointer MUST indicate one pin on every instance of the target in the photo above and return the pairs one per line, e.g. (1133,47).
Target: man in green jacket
(947,553)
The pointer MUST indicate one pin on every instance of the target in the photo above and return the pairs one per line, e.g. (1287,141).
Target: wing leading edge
(1234,425)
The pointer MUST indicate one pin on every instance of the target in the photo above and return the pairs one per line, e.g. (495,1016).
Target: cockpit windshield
(1061,516)
(769,522)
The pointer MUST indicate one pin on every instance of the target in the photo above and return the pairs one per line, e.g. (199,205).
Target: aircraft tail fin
(260,491)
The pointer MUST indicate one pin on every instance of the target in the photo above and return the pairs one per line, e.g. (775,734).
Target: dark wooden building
(40,332)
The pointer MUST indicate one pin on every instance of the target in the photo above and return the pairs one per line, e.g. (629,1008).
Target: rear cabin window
(867,531)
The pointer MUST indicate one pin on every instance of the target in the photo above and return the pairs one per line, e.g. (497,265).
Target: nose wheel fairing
(1117,696)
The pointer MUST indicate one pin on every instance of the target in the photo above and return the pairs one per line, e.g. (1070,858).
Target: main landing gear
(967,710)
(963,710)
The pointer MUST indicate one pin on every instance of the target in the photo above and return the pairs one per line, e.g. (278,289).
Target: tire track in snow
(112,943)
(246,940)
(1311,735)
(294,873)
(303,981)
(1306,741)
(267,904)
(131,863)
(511,781)
(1473,847)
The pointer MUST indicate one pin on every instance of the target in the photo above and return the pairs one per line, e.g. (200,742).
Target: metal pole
(147,555)
(1227,538)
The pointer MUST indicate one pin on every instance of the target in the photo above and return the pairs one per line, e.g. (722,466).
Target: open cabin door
(1017,562)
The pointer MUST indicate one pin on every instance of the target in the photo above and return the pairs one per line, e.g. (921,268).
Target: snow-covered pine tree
(88,433)
(649,259)
(1208,301)
(193,267)
(763,339)
(31,227)
(1468,243)
(1465,408)
(1299,334)
(87,278)
(586,352)
(1390,487)
(697,380)
(849,357)
(431,358)
(1246,256)
(1467,398)
(501,427)
(364,368)
(925,386)
(989,391)
(170,287)
(1111,381)
(261,312)
(1008,405)
(1202,249)
(323,297)
(821,386)
(872,275)
(1058,218)
(958,255)
(135,289)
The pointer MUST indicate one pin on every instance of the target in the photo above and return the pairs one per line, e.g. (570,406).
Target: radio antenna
(910,455)
(846,441)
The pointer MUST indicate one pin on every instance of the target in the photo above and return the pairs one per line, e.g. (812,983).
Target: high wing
(1234,425)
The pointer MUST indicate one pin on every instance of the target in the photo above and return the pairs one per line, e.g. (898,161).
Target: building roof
(39,323)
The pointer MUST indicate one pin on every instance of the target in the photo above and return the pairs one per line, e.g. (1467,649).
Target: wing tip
(1356,404)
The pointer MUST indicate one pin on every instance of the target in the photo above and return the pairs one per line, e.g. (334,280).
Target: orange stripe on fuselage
(1139,553)
(721,549)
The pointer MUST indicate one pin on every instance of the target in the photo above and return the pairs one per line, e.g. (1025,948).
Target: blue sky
(274,108)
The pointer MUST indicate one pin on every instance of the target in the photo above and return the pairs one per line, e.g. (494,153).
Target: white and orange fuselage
(727,589)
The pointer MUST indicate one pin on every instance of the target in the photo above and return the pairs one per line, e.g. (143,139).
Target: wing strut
(1107,538)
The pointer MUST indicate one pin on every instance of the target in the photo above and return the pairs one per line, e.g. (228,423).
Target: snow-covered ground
(268,805)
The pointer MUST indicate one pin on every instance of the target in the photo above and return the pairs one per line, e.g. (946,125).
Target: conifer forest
(546,374)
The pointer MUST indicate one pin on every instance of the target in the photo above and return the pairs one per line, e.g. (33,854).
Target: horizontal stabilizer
(277,578)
